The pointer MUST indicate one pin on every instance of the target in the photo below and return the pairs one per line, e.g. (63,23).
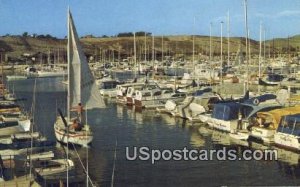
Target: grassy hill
(113,47)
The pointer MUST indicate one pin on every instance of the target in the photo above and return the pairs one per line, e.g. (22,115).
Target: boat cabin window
(151,87)
(146,94)
(130,91)
(157,93)
(108,85)
(289,125)
(179,95)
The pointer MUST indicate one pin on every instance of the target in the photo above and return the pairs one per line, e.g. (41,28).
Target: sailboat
(82,90)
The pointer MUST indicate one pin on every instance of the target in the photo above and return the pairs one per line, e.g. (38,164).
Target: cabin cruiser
(229,116)
(156,97)
(271,80)
(131,91)
(288,132)
(267,122)
(123,91)
(108,87)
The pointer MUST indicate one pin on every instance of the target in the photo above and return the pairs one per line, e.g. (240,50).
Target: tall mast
(288,48)
(58,56)
(264,44)
(228,39)
(69,70)
(145,47)
(259,60)
(210,51)
(162,48)
(134,56)
(221,51)
(119,56)
(153,51)
(247,33)
(68,97)
(194,49)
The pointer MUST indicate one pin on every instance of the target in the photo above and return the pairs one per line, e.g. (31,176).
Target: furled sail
(81,88)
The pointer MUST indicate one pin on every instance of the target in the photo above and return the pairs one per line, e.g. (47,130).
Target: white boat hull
(204,117)
(267,135)
(240,135)
(51,74)
(227,126)
(82,138)
(287,140)
(108,92)
(15,77)
(23,126)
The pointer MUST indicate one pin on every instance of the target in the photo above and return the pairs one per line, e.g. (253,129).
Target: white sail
(82,88)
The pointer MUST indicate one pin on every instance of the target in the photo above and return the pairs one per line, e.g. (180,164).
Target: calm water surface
(157,131)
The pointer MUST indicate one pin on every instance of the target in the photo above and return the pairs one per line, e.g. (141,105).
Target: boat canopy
(275,77)
(273,117)
(226,111)
(259,99)
(202,91)
(290,124)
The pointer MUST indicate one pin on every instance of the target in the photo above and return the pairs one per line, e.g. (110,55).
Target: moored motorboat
(288,132)
(267,122)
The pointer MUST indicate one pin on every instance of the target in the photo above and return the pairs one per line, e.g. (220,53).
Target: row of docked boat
(38,72)
(21,147)
(267,117)
(39,157)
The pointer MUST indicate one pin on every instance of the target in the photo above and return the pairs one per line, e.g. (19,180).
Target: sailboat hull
(51,73)
(82,138)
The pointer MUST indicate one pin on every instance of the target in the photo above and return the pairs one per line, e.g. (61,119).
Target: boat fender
(256,101)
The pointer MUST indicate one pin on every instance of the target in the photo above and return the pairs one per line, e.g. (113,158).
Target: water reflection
(288,161)
(133,127)
(196,139)
(289,157)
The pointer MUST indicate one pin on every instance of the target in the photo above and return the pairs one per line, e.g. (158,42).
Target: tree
(142,33)
(25,34)
(125,34)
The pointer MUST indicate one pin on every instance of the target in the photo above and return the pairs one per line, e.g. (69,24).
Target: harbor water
(118,127)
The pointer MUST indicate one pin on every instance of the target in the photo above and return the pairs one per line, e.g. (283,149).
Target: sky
(279,18)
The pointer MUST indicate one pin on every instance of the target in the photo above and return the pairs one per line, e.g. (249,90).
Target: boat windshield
(108,85)
(290,125)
